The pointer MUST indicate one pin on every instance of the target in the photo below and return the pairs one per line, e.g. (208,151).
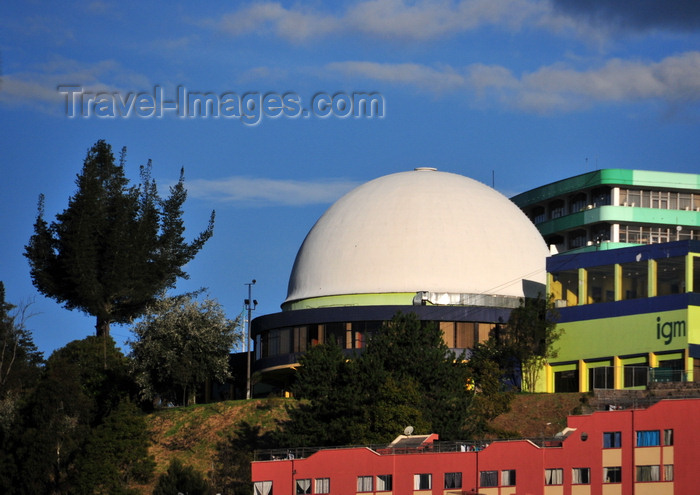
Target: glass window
(508,477)
(453,480)
(670,276)
(364,483)
(448,333)
(465,334)
(335,332)
(581,476)
(577,238)
(648,438)
(262,488)
(384,483)
(668,472)
(601,377)
(553,476)
(323,485)
(578,203)
(634,280)
(601,284)
(566,381)
(422,481)
(612,474)
(557,209)
(612,440)
(636,375)
(488,478)
(303,486)
(668,437)
(648,473)
(538,214)
(565,286)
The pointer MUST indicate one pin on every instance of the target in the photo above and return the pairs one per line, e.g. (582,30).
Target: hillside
(191,433)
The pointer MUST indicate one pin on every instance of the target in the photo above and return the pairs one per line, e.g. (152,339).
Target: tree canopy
(527,341)
(405,376)
(19,357)
(181,343)
(115,247)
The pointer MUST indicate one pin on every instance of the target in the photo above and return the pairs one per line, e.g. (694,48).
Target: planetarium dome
(422,231)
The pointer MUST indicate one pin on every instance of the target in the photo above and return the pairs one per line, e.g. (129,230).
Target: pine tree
(115,247)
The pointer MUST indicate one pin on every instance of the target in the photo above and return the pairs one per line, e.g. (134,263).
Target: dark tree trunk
(102,327)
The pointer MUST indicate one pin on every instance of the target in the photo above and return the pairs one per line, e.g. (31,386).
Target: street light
(250,305)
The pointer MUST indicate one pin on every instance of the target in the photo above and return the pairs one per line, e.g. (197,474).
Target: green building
(614,208)
(630,316)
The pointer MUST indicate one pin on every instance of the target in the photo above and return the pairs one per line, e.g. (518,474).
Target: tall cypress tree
(116,246)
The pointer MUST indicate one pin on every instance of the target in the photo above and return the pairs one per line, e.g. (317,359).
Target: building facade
(624,452)
(613,208)
(424,241)
(629,316)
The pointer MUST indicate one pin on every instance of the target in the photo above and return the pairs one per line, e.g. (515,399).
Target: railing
(383,449)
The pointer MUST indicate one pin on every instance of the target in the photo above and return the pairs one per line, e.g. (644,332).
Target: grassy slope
(192,433)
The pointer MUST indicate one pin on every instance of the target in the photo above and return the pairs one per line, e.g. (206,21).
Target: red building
(625,452)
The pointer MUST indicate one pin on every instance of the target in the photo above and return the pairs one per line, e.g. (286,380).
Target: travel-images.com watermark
(250,108)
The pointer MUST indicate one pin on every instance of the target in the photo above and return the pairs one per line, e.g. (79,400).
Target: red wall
(343,466)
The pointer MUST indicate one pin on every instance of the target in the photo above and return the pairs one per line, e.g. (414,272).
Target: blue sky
(526,91)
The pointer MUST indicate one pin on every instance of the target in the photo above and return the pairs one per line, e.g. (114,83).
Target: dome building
(448,248)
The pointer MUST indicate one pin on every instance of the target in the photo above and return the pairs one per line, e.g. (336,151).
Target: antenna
(408,431)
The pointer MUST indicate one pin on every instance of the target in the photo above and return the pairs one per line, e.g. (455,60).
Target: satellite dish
(408,431)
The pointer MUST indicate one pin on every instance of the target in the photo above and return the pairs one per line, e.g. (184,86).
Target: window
(488,478)
(612,440)
(422,481)
(384,483)
(323,485)
(364,483)
(581,476)
(612,474)
(668,472)
(601,377)
(648,473)
(668,437)
(453,480)
(508,477)
(636,375)
(648,438)
(262,488)
(553,476)
(303,486)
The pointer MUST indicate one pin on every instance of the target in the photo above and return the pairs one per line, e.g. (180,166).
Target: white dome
(419,231)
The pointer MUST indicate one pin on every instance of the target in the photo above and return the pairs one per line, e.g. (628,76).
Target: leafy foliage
(231,475)
(115,454)
(182,479)
(115,247)
(81,385)
(405,376)
(527,341)
(179,344)
(20,360)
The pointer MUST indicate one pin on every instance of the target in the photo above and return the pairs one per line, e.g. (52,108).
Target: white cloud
(38,87)
(271,17)
(266,192)
(427,78)
(554,88)
(418,20)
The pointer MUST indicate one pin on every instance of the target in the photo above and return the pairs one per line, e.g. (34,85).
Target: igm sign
(669,330)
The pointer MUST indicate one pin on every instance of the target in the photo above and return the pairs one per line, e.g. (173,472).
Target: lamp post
(250,305)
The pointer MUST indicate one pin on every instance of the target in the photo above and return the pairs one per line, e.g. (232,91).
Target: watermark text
(250,108)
